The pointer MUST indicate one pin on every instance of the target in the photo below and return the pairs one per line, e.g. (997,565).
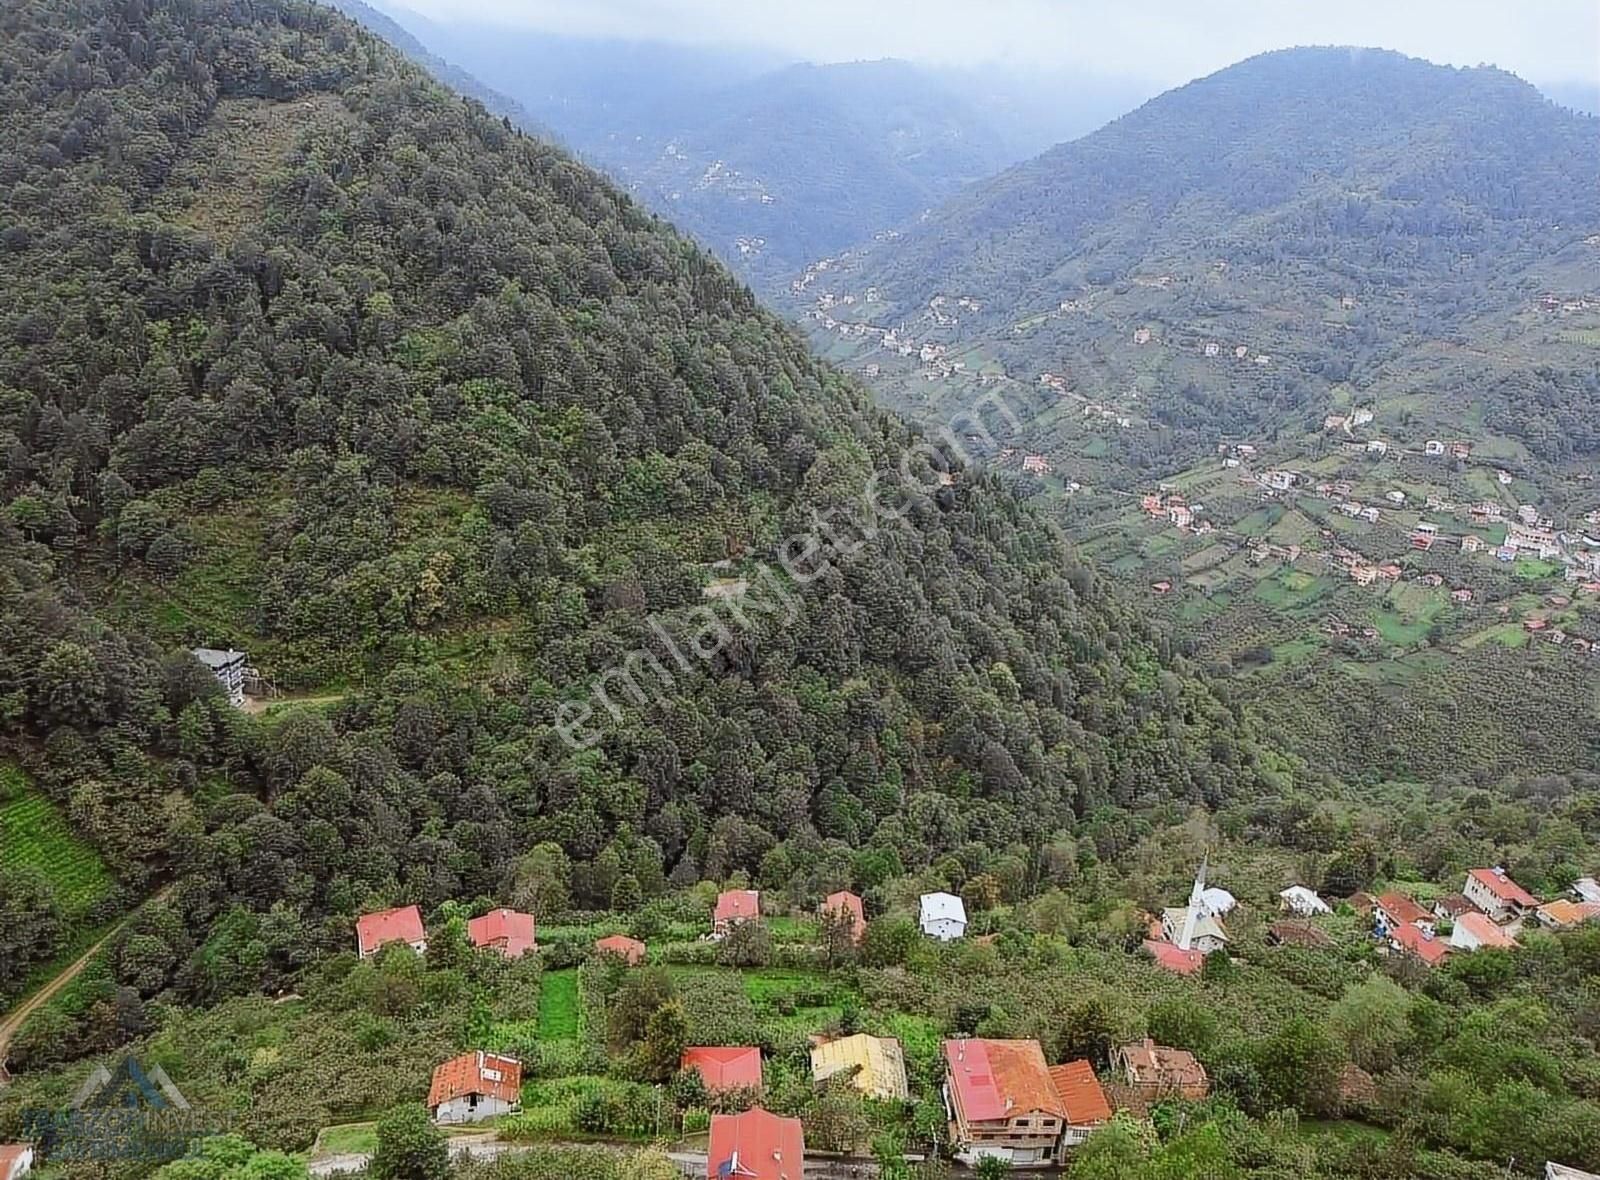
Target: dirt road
(18,1016)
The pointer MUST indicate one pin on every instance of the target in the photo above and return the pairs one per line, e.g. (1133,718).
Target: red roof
(630,950)
(725,1067)
(1503,887)
(483,1073)
(1080,1093)
(1430,950)
(851,904)
(507,931)
(1173,958)
(403,924)
(1402,909)
(735,905)
(998,1079)
(755,1145)
(10,1154)
(1486,932)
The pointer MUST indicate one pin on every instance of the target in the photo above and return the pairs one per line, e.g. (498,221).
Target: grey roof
(942,905)
(214,658)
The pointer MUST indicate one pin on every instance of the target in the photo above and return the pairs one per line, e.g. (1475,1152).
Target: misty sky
(1161,41)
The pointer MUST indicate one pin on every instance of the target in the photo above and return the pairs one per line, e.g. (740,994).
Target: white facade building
(943,916)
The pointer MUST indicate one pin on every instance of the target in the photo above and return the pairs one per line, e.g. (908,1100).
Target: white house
(1217,901)
(16,1160)
(943,916)
(1297,899)
(1473,931)
(1497,895)
(475,1086)
(228,667)
(1587,888)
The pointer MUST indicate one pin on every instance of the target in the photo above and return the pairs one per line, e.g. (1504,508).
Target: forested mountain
(447,72)
(1245,206)
(306,356)
(592,592)
(1340,261)
(766,163)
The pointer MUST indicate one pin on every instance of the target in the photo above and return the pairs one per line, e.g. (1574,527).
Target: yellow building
(879,1063)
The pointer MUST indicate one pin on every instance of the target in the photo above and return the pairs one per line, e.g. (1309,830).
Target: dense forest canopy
(271,293)
(303,355)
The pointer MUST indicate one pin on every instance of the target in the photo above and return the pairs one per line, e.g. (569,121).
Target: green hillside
(306,356)
(1305,254)
(593,593)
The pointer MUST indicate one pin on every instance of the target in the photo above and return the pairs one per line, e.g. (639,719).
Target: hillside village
(1001,1098)
(1377,502)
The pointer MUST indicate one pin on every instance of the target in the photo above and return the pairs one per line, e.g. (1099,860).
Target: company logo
(152,1088)
(132,1112)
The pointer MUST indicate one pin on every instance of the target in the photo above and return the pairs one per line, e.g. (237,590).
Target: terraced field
(34,833)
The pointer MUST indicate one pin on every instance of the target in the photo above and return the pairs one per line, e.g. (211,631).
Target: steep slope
(306,356)
(450,74)
(1346,262)
(767,164)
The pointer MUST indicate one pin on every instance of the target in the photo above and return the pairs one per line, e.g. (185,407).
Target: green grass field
(34,834)
(558,1004)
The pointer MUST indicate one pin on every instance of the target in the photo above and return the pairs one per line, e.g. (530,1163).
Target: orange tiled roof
(737,904)
(725,1067)
(483,1073)
(851,904)
(630,949)
(755,1145)
(1402,909)
(1173,958)
(1430,950)
(1485,931)
(1503,887)
(1563,912)
(402,924)
(1080,1093)
(996,1079)
(508,931)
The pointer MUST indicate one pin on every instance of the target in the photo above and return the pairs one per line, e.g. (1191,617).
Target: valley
(1118,703)
(1331,482)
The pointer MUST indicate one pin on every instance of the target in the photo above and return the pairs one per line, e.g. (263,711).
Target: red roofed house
(629,950)
(1394,910)
(846,902)
(1158,1072)
(1497,894)
(755,1145)
(1474,931)
(475,1086)
(1002,1101)
(725,1067)
(506,931)
(734,906)
(1420,943)
(1169,957)
(397,925)
(16,1160)
(1082,1099)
